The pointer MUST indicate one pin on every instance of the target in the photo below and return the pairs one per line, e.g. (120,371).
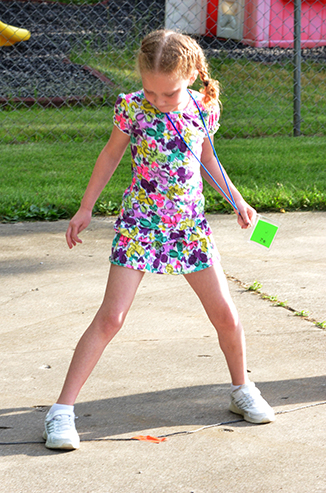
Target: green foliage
(284,304)
(302,313)
(103,208)
(272,299)
(255,286)
(26,212)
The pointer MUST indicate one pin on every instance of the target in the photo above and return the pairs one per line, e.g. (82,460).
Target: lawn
(46,181)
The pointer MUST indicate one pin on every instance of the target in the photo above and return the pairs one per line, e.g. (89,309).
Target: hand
(78,223)
(246,215)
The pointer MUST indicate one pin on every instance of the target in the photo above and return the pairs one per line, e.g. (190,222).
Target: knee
(226,319)
(109,323)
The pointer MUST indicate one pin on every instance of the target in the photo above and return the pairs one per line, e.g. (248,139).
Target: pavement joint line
(185,432)
(266,297)
(322,403)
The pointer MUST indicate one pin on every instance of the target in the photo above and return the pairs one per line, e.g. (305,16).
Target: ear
(193,77)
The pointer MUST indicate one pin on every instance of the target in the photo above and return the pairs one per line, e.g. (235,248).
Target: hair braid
(211,89)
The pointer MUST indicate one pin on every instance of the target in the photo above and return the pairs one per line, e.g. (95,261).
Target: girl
(161,227)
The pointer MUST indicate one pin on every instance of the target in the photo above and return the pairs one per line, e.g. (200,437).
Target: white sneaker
(60,431)
(248,402)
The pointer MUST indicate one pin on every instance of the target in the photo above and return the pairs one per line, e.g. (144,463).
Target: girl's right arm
(104,168)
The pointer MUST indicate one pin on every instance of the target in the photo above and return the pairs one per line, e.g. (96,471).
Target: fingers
(246,216)
(243,221)
(78,223)
(72,235)
(252,214)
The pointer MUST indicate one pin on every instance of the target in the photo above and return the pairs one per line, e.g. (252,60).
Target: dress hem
(174,273)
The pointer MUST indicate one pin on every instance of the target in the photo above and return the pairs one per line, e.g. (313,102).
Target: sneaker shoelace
(60,423)
(248,400)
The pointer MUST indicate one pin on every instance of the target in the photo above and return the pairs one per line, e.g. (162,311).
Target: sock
(234,387)
(61,407)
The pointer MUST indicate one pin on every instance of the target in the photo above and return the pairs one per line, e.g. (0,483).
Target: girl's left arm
(245,213)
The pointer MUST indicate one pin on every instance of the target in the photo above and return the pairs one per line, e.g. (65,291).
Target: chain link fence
(62,82)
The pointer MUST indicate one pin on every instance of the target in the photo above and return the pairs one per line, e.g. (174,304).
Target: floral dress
(161,227)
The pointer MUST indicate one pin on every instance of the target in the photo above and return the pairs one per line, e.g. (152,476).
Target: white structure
(230,19)
(187,16)
(192,17)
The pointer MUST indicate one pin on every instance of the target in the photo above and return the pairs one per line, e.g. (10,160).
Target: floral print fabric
(161,226)
(173,257)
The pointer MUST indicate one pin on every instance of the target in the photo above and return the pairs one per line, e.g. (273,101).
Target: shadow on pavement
(160,412)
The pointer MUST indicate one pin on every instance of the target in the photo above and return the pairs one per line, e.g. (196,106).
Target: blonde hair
(168,52)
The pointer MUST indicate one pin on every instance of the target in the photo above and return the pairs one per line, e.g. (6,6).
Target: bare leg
(121,289)
(212,289)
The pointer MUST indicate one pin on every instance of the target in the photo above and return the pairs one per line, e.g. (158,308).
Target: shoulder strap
(229,198)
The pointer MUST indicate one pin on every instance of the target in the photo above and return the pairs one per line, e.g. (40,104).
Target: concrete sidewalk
(164,372)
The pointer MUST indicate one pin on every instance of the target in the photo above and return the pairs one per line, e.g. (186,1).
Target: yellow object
(9,35)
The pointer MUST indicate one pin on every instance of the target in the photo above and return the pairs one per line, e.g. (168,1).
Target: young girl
(161,227)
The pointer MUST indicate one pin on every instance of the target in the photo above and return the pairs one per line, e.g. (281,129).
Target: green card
(264,232)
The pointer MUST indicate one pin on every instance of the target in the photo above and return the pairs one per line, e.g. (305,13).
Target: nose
(159,102)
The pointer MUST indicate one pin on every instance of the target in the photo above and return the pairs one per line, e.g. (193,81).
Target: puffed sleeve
(121,116)
(213,120)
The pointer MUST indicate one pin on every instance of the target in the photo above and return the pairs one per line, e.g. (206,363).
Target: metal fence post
(297,70)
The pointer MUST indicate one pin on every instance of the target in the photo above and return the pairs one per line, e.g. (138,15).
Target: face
(165,92)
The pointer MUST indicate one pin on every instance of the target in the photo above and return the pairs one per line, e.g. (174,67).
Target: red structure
(268,23)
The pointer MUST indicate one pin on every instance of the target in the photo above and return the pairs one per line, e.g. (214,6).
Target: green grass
(257,97)
(275,173)
(78,124)
(46,181)
(257,101)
